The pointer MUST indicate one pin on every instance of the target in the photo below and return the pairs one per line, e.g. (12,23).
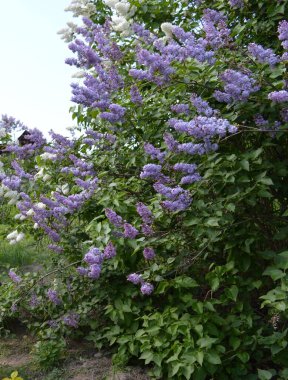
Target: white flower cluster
(3,132)
(41,174)
(67,34)
(122,13)
(8,193)
(64,189)
(81,8)
(15,236)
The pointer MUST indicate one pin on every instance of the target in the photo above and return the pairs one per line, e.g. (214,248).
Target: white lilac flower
(46,177)
(30,212)
(122,8)
(111,3)
(20,237)
(12,235)
(120,24)
(40,205)
(167,28)
(47,156)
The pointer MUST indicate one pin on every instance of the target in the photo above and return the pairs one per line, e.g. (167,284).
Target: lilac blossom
(71,319)
(154,153)
(53,296)
(283,33)
(201,105)
(278,96)
(237,87)
(109,251)
(115,114)
(130,231)
(82,271)
(146,229)
(146,288)
(215,28)
(170,142)
(149,253)
(188,179)
(185,168)
(136,97)
(14,277)
(114,218)
(94,271)
(180,108)
(236,3)
(56,248)
(93,256)
(145,213)
(34,301)
(263,55)
(135,278)
(143,33)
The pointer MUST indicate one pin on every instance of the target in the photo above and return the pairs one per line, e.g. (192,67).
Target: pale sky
(34,79)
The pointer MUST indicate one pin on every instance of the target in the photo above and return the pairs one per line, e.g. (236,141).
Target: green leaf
(147,356)
(274,273)
(264,375)
(245,165)
(243,356)
(213,358)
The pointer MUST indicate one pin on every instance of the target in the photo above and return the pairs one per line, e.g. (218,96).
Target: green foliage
(49,353)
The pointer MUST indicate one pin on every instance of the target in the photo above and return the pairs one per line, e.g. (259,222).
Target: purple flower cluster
(201,105)
(53,297)
(34,142)
(114,218)
(215,28)
(263,55)
(283,33)
(178,198)
(136,97)
(237,87)
(203,127)
(14,277)
(236,3)
(149,253)
(136,279)
(71,319)
(180,108)
(145,213)
(278,96)
(154,153)
(130,232)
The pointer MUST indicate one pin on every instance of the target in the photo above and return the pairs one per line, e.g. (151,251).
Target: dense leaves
(167,216)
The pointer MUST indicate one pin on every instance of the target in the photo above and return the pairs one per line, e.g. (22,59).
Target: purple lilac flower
(263,55)
(148,253)
(188,179)
(154,153)
(236,3)
(56,248)
(143,33)
(170,142)
(135,278)
(284,57)
(136,97)
(9,123)
(14,277)
(34,300)
(201,105)
(237,87)
(130,231)
(94,271)
(278,96)
(283,33)
(109,251)
(114,218)
(284,115)
(185,168)
(82,271)
(180,108)
(53,296)
(53,324)
(146,288)
(115,115)
(93,256)
(151,171)
(145,213)
(71,319)
(260,121)
(215,28)
(146,229)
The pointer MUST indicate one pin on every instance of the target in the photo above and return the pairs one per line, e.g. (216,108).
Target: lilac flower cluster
(154,153)
(237,87)
(71,319)
(53,297)
(236,3)
(203,127)
(9,123)
(149,253)
(263,55)
(136,279)
(14,277)
(180,108)
(278,96)
(60,146)
(215,28)
(178,198)
(201,105)
(34,142)
(147,218)
(94,258)
(136,97)
(283,33)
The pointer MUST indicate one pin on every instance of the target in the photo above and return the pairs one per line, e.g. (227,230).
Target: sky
(34,79)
